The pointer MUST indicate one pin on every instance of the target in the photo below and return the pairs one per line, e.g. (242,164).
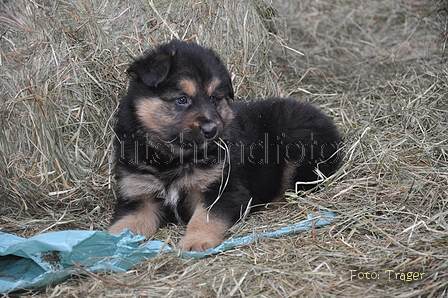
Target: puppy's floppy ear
(153,68)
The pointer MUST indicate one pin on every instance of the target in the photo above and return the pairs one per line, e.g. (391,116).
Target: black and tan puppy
(185,154)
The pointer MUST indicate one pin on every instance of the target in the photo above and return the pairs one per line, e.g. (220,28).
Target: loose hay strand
(224,181)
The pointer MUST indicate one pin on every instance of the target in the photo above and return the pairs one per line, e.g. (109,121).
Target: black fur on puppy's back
(282,131)
(273,144)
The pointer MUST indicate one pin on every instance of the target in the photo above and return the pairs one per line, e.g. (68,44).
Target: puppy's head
(180,92)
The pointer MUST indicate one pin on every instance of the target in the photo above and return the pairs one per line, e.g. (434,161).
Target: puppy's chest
(170,196)
(185,182)
(186,190)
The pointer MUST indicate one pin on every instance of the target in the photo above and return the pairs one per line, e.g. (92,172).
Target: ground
(378,68)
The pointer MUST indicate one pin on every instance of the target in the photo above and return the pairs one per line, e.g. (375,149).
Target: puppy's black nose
(209,130)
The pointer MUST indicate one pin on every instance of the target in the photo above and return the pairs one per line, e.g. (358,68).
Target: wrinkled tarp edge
(50,258)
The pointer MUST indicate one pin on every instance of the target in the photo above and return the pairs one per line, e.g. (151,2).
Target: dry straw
(377,67)
(62,77)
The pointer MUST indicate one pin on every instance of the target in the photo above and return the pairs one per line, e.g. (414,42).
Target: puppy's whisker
(223,184)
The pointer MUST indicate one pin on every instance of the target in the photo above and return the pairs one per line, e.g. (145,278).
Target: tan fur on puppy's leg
(145,221)
(202,232)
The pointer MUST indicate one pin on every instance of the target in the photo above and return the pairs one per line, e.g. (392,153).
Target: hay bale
(63,74)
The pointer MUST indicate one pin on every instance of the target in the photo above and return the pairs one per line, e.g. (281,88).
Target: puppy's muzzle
(209,130)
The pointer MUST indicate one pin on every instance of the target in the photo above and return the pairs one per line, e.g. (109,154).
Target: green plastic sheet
(52,257)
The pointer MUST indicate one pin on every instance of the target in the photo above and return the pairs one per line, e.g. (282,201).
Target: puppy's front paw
(199,242)
(203,231)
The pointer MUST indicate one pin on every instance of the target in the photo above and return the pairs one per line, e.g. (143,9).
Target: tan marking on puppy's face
(191,123)
(204,231)
(188,86)
(212,86)
(155,114)
(145,221)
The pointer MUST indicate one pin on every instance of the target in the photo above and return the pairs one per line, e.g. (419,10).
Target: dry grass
(377,67)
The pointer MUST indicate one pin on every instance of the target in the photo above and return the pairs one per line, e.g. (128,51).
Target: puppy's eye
(181,100)
(213,99)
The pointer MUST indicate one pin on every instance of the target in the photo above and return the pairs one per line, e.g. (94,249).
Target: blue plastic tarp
(52,257)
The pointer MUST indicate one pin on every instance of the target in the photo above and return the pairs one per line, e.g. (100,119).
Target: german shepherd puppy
(186,154)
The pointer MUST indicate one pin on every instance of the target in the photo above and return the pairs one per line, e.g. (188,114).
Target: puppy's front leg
(204,230)
(144,221)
